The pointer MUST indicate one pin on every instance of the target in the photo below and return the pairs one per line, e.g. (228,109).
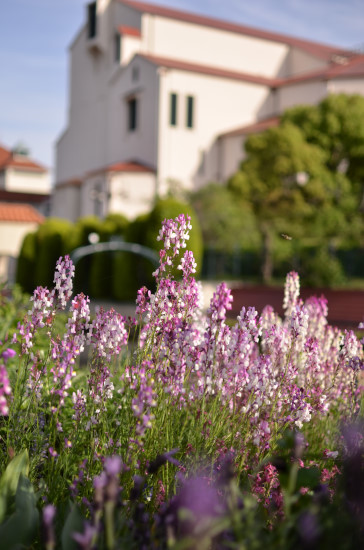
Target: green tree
(226,225)
(292,192)
(336,126)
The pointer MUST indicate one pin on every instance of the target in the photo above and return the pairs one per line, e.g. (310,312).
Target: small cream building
(24,200)
(157,95)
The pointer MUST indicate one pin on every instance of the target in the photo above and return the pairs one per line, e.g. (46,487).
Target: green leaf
(21,528)
(10,480)
(308,477)
(73,524)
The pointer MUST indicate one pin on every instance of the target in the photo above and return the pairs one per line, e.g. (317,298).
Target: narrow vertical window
(132,114)
(92,20)
(189,111)
(173,110)
(117,46)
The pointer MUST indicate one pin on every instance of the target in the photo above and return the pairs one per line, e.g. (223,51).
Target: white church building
(159,96)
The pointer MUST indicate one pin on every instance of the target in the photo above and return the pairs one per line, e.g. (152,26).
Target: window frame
(173,109)
(117,47)
(92,20)
(132,106)
(190,111)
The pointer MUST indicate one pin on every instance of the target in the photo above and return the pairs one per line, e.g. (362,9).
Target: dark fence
(244,265)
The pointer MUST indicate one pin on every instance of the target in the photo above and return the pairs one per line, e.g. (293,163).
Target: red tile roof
(255,128)
(131,166)
(210,71)
(130,31)
(20,162)
(316,49)
(19,213)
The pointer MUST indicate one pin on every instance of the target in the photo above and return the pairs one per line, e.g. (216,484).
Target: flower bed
(183,431)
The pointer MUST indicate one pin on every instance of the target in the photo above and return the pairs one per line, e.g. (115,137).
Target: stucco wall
(300,62)
(23,181)
(231,155)
(66,203)
(213,47)
(131,194)
(141,143)
(219,106)
(94,195)
(130,45)
(12,235)
(346,86)
(301,93)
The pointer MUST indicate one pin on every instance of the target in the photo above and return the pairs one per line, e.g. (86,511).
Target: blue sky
(35,35)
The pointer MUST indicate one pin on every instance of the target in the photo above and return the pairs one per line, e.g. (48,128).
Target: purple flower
(291,292)
(5,389)
(49,513)
(85,539)
(8,354)
(113,465)
(63,284)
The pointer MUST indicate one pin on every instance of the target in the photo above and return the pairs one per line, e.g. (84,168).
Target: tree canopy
(304,178)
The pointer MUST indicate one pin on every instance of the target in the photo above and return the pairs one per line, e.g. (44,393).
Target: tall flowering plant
(194,383)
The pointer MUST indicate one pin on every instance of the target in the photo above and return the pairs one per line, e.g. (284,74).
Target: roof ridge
(178,64)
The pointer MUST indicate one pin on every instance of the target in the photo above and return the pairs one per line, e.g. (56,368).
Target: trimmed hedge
(82,229)
(40,252)
(131,272)
(101,271)
(25,269)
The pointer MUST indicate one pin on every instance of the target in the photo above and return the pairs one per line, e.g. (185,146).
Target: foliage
(101,272)
(131,272)
(226,225)
(183,430)
(336,127)
(26,265)
(292,192)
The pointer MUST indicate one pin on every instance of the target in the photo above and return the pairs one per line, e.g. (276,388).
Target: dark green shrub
(131,272)
(321,269)
(80,237)
(101,270)
(25,269)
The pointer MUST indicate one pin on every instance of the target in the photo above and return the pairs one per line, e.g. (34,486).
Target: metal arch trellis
(114,246)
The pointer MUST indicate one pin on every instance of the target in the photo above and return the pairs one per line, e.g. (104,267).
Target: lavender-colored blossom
(107,333)
(5,389)
(8,354)
(85,539)
(220,303)
(49,512)
(174,234)
(63,283)
(291,292)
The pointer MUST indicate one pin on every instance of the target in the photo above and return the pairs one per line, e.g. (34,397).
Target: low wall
(346,307)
